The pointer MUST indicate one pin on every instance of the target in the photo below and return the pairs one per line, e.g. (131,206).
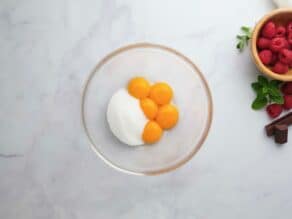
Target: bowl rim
(254,52)
(206,128)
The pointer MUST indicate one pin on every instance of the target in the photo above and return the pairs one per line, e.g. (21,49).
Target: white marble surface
(47,168)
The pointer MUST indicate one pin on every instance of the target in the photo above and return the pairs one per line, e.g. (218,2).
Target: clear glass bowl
(191,95)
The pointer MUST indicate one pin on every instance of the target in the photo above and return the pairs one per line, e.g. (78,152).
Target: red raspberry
(280,31)
(289,27)
(274,110)
(287,88)
(289,38)
(285,56)
(263,43)
(280,68)
(287,102)
(274,59)
(269,30)
(265,56)
(278,43)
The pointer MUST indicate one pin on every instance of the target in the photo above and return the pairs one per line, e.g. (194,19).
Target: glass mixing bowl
(191,95)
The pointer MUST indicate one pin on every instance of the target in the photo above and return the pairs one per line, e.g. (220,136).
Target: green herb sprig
(243,38)
(267,92)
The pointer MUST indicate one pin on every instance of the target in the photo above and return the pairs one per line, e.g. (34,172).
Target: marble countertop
(46,165)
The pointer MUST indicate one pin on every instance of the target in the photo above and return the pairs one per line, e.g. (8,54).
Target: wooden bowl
(279,16)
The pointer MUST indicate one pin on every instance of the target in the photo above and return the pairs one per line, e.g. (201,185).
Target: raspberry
(274,59)
(287,88)
(269,30)
(289,38)
(289,27)
(280,68)
(285,56)
(263,43)
(265,56)
(278,43)
(274,110)
(280,31)
(287,102)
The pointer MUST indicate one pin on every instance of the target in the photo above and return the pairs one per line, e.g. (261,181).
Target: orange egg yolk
(167,116)
(152,132)
(149,108)
(161,93)
(155,103)
(139,87)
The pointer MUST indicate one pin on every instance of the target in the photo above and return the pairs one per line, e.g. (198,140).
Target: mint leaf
(256,86)
(263,81)
(244,38)
(274,91)
(240,37)
(267,92)
(246,30)
(275,96)
(277,99)
(259,102)
(240,46)
(275,83)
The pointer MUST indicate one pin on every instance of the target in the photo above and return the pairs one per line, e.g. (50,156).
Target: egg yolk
(139,87)
(152,132)
(167,116)
(149,108)
(161,93)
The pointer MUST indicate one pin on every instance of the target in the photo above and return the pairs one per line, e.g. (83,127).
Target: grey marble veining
(46,165)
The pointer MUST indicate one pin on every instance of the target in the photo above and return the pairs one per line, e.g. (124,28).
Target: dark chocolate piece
(285,120)
(281,134)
